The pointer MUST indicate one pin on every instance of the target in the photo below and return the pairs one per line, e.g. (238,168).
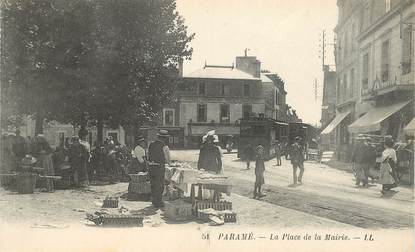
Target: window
(345,86)
(354,35)
(365,71)
(202,88)
(224,89)
(201,112)
(246,110)
(224,113)
(339,51)
(351,89)
(168,117)
(346,45)
(385,61)
(407,50)
(387,5)
(246,90)
(338,91)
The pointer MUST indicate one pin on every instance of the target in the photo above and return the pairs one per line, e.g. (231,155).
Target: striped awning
(410,128)
(335,122)
(372,120)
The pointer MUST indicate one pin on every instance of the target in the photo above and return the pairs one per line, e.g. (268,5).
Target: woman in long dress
(43,153)
(387,167)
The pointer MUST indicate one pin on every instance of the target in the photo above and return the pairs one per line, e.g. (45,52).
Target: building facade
(218,97)
(375,70)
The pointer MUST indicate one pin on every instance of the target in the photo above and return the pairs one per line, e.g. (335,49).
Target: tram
(264,131)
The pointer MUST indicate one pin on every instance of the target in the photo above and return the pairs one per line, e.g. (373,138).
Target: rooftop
(220,72)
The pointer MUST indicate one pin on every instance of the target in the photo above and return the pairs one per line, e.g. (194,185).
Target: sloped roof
(264,78)
(220,72)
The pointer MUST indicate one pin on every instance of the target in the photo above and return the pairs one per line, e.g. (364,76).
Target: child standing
(259,171)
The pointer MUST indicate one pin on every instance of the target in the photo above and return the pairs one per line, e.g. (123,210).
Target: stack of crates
(178,210)
(139,187)
(216,205)
(110,202)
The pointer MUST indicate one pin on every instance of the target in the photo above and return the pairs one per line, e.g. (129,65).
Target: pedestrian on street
(259,171)
(278,150)
(83,133)
(210,156)
(43,153)
(18,148)
(249,154)
(139,161)
(387,167)
(158,156)
(217,144)
(297,160)
(78,156)
(358,157)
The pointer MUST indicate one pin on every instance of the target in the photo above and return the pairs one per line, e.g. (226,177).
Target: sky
(283,34)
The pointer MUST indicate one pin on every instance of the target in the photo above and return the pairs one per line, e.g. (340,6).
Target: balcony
(381,88)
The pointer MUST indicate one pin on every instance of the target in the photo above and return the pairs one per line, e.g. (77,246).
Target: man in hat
(158,156)
(139,156)
(297,160)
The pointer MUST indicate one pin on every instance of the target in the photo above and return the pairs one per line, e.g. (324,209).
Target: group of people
(382,157)
(73,159)
(296,153)
(152,161)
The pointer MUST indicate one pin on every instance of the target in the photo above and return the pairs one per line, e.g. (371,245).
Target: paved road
(325,192)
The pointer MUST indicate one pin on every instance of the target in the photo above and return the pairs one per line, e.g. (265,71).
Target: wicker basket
(178,210)
(110,202)
(26,183)
(139,178)
(139,187)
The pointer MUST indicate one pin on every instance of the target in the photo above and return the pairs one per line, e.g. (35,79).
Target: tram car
(264,131)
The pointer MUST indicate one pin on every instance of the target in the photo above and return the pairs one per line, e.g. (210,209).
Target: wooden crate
(110,202)
(141,177)
(178,210)
(226,216)
(216,205)
(139,188)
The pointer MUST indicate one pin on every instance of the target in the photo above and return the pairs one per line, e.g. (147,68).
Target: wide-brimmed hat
(28,160)
(163,133)
(215,138)
(139,139)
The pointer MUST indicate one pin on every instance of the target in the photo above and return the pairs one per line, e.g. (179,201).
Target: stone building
(375,70)
(328,110)
(386,60)
(218,97)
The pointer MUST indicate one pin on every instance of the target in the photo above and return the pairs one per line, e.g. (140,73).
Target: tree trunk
(100,131)
(39,124)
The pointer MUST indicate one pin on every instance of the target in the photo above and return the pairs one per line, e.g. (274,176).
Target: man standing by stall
(158,156)
(297,160)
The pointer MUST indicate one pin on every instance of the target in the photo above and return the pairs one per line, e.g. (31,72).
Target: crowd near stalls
(74,163)
(381,158)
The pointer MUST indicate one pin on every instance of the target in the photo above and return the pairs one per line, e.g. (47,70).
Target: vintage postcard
(190,125)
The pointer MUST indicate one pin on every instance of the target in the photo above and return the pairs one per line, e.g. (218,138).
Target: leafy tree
(103,61)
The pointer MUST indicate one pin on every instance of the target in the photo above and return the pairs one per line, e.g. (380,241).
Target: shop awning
(372,120)
(335,122)
(410,128)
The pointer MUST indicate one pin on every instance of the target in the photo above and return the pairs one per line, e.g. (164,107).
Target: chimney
(180,68)
(249,64)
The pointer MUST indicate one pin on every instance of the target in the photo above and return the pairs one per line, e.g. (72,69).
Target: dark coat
(297,156)
(210,158)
